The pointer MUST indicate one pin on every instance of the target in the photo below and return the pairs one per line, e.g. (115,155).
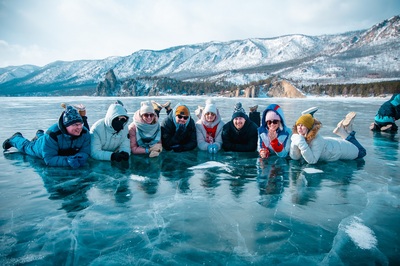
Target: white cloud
(40,32)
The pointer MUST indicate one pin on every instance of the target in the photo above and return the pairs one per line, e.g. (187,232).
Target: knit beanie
(239,111)
(71,116)
(210,107)
(271,115)
(146,107)
(182,110)
(307,120)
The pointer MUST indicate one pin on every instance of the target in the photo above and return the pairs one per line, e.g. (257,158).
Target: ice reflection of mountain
(192,208)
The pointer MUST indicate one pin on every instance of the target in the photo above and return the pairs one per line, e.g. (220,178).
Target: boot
(156,106)
(198,112)
(340,131)
(310,111)
(348,120)
(253,108)
(7,144)
(386,128)
(38,134)
(167,105)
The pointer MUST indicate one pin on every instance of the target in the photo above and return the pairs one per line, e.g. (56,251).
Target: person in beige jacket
(308,144)
(145,131)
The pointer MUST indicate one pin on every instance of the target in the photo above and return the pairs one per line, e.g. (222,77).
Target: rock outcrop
(284,88)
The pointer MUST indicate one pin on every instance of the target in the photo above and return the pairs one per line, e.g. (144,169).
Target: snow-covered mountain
(360,56)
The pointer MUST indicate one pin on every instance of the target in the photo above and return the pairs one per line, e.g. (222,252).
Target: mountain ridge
(357,56)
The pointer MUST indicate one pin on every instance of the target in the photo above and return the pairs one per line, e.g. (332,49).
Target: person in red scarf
(209,128)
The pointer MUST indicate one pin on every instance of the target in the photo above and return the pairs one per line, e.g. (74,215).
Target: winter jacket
(56,145)
(314,148)
(281,144)
(389,111)
(178,140)
(201,132)
(105,140)
(243,140)
(134,133)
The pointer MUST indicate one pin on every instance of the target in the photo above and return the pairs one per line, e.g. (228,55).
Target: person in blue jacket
(66,143)
(273,133)
(387,114)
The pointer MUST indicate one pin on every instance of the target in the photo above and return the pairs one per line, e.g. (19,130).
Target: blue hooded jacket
(281,148)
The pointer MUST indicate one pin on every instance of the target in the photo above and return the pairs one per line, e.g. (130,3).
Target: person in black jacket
(240,134)
(178,130)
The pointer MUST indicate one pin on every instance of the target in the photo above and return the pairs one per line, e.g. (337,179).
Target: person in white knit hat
(145,131)
(209,128)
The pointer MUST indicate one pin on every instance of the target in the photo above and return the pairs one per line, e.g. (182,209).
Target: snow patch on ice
(361,235)
(138,178)
(312,171)
(209,164)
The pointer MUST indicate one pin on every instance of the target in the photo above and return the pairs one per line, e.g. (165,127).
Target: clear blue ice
(193,208)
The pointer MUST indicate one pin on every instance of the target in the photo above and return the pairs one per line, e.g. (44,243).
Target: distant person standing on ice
(308,144)
(209,128)
(274,135)
(178,130)
(66,143)
(145,131)
(387,114)
(110,140)
(240,134)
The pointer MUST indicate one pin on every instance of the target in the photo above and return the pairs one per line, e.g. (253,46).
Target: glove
(296,138)
(264,153)
(81,159)
(119,156)
(124,155)
(177,148)
(299,141)
(156,147)
(212,148)
(154,154)
(73,161)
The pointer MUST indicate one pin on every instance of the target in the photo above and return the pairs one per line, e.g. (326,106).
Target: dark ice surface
(192,208)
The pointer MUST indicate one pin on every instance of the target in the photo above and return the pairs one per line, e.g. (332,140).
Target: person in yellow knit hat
(307,143)
(178,130)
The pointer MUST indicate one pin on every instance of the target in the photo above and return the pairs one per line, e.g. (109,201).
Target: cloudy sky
(42,31)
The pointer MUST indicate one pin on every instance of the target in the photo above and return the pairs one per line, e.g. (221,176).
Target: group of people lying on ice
(71,141)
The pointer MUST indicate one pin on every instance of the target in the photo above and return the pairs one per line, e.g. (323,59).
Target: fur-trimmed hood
(311,133)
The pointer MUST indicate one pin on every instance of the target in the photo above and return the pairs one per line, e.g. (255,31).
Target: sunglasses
(182,117)
(269,122)
(151,115)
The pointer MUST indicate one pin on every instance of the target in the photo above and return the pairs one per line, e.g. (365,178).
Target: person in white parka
(306,143)
(109,135)
(209,128)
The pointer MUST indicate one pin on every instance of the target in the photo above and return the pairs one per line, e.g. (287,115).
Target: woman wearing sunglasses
(145,131)
(109,135)
(274,135)
(178,130)
(209,128)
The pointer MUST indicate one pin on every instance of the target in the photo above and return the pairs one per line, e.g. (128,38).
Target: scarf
(146,134)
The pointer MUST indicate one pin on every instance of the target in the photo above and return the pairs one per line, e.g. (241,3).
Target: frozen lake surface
(193,209)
